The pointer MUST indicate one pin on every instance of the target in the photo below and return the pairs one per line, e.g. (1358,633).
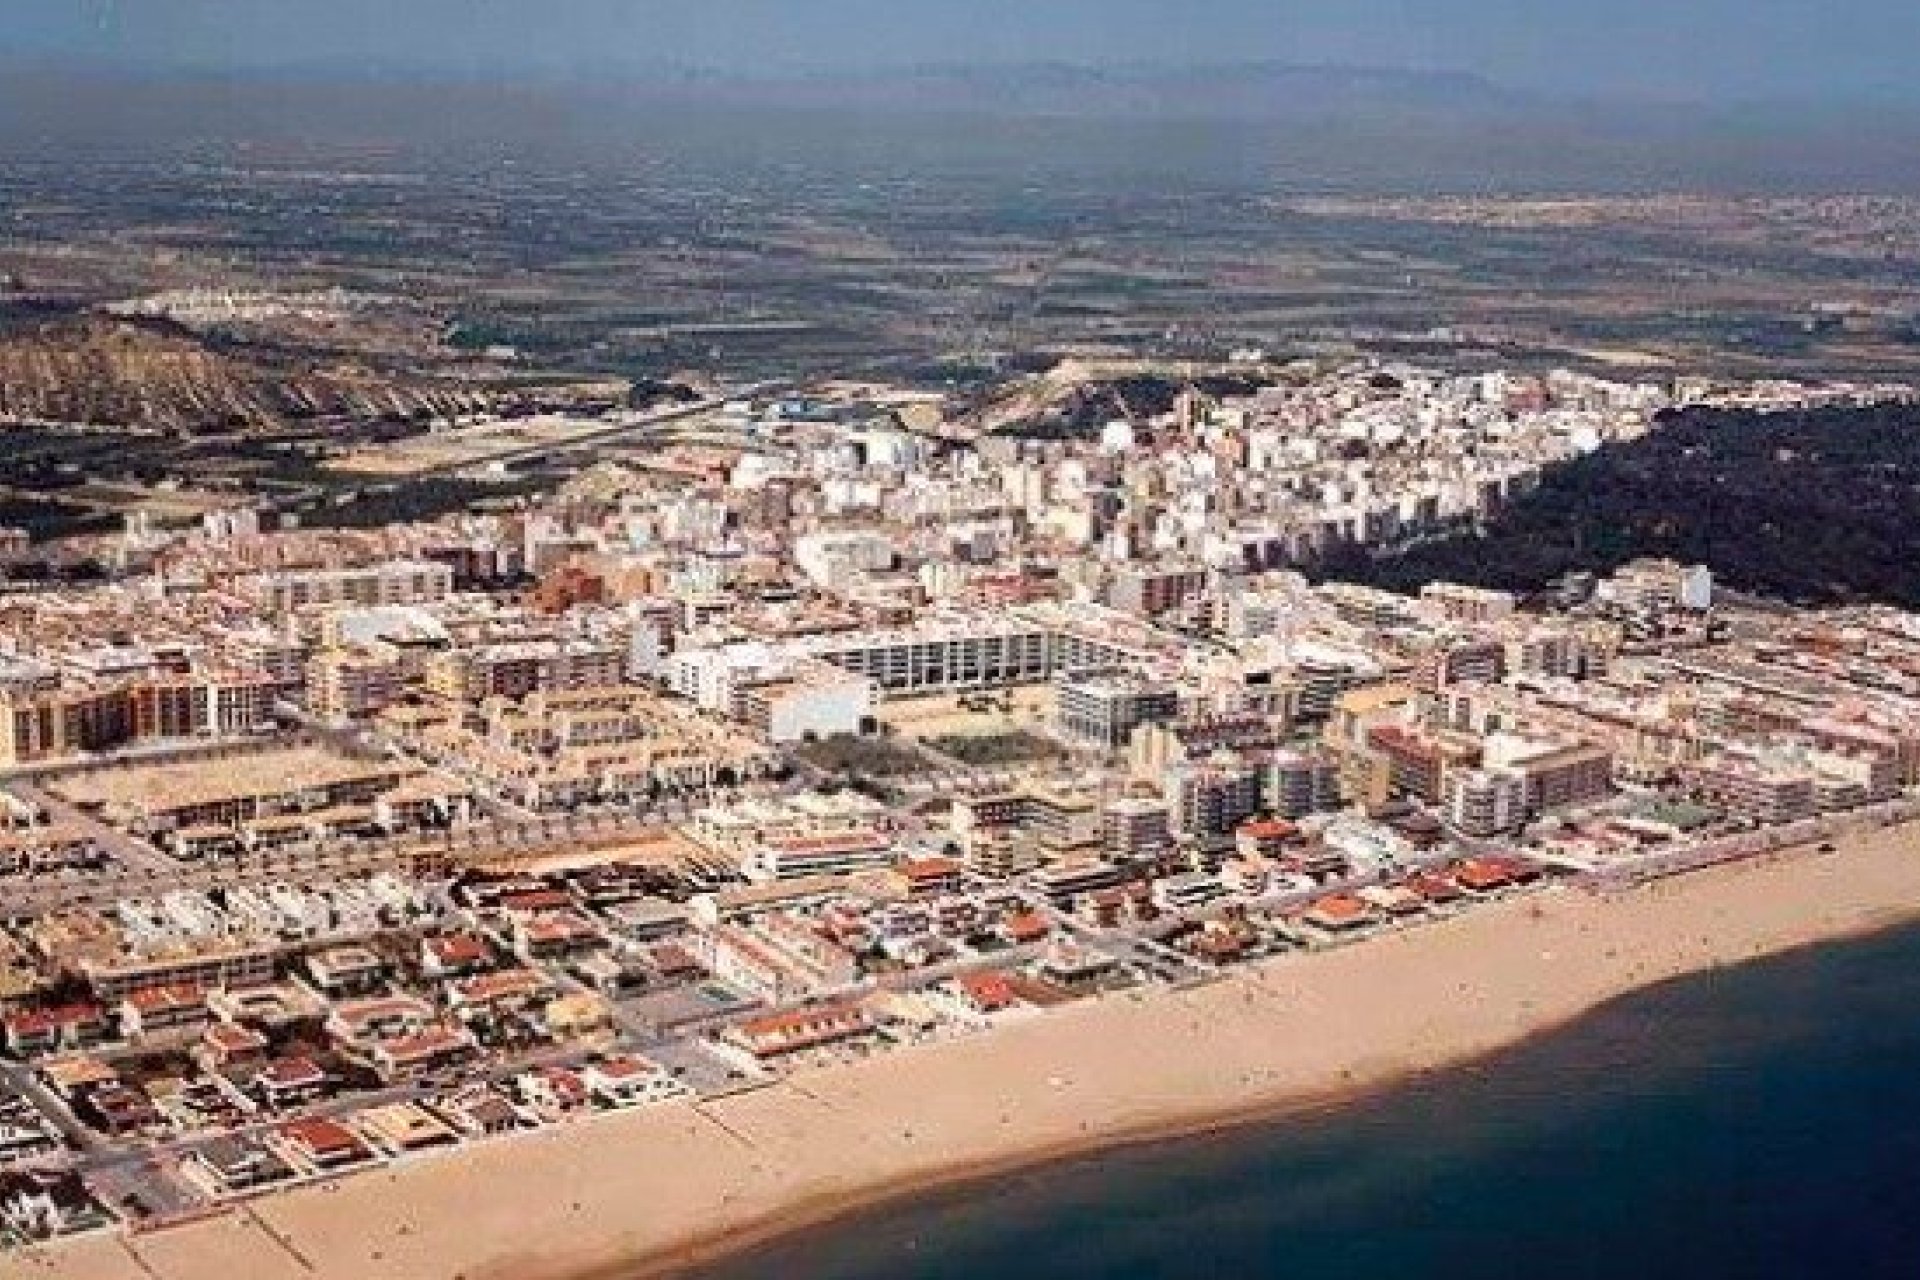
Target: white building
(1483,802)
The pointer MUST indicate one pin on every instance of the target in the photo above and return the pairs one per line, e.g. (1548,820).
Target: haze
(1713,49)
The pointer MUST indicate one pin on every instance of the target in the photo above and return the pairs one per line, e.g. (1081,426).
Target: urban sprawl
(820,729)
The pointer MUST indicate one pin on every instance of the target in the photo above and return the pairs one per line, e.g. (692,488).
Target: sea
(1755,1122)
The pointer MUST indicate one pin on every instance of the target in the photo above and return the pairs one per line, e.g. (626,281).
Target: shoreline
(828,1211)
(659,1192)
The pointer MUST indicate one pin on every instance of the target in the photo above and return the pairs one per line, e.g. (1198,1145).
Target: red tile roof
(1338,909)
(30,1022)
(322,1136)
(1028,926)
(988,991)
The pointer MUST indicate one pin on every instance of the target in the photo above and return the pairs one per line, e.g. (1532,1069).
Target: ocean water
(1762,1121)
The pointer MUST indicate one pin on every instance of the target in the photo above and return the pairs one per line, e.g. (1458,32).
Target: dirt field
(1004,711)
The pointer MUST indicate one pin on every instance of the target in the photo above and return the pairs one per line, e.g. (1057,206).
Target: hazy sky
(1839,49)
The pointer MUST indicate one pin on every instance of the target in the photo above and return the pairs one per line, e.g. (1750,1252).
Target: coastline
(826,1210)
(657,1192)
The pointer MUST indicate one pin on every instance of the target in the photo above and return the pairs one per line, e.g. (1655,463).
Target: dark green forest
(1818,506)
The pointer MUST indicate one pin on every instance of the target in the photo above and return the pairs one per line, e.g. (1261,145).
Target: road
(652,421)
(1756,843)
(139,1166)
(22,1081)
(136,855)
(476,844)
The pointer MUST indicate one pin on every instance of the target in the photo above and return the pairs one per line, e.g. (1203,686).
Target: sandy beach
(647,1192)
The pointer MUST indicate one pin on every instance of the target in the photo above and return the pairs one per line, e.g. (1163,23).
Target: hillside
(1820,506)
(1075,399)
(157,376)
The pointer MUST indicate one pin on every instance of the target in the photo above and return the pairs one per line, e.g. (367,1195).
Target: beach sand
(639,1193)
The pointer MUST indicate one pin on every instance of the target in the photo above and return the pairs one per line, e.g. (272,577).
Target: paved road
(22,1081)
(478,843)
(1756,843)
(134,854)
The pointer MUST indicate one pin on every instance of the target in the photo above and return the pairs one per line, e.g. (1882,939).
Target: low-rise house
(346,971)
(40,1204)
(555,936)
(1220,942)
(153,1011)
(783,1033)
(453,955)
(432,1049)
(478,1110)
(266,1004)
(70,1077)
(357,1024)
(227,1044)
(24,1135)
(320,1145)
(197,1102)
(1338,913)
(616,975)
(117,1110)
(489,997)
(231,1166)
(629,1081)
(29,1032)
(290,1082)
(1074,968)
(1023,928)
(1435,890)
(1491,874)
(985,993)
(1185,892)
(552,1091)
(676,963)
(927,877)
(403,1128)
(1393,899)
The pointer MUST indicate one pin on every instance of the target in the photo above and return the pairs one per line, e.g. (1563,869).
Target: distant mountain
(1245,91)
(1350,127)
(106,101)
